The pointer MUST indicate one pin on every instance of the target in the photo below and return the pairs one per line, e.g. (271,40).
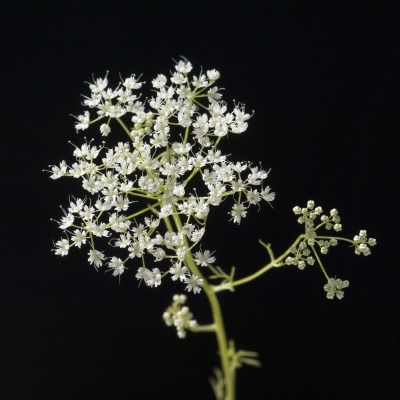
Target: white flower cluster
(308,217)
(179,315)
(301,256)
(301,253)
(361,243)
(169,170)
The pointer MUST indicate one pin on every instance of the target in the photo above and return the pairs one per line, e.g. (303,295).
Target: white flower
(105,129)
(77,206)
(213,74)
(91,185)
(200,81)
(238,212)
(79,238)
(84,121)
(213,94)
(178,78)
(193,283)
(117,265)
(267,195)
(151,222)
(197,234)
(201,209)
(183,66)
(158,254)
(62,247)
(142,273)
(136,250)
(60,171)
(123,242)
(181,252)
(178,272)
(153,277)
(159,82)
(204,259)
(99,230)
(253,197)
(67,221)
(132,83)
(96,257)
(165,211)
(99,85)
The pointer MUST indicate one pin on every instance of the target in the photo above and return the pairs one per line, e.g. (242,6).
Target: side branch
(275,262)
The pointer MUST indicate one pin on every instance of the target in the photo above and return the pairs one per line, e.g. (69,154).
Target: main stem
(228,373)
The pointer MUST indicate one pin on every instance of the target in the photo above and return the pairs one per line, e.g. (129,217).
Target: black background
(323,81)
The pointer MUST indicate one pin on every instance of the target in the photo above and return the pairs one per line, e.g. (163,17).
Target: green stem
(219,327)
(124,127)
(143,210)
(275,262)
(203,328)
(319,262)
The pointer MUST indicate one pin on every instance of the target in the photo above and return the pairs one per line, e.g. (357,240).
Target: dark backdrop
(323,81)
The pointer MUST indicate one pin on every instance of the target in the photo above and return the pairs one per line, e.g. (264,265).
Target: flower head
(170,166)
(312,239)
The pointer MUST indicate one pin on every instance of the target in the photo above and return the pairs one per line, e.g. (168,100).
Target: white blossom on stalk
(149,195)
(166,165)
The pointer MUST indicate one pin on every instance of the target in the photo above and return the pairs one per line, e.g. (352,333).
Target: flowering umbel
(170,166)
(148,198)
(314,240)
